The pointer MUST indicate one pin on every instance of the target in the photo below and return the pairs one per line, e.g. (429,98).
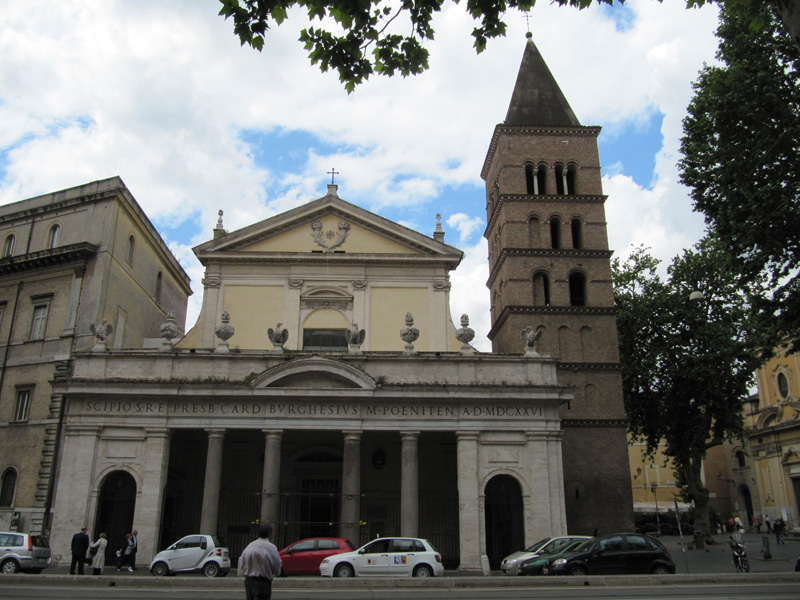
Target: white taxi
(386,556)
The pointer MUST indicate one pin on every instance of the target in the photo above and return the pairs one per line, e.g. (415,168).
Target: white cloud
(465,224)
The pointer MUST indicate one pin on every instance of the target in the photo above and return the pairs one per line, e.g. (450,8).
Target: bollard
(485,565)
(765,547)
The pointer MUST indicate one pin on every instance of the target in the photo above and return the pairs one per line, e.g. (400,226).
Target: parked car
(616,553)
(386,556)
(204,554)
(303,557)
(547,546)
(533,566)
(25,552)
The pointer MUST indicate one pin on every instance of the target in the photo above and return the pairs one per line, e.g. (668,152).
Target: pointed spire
(537,99)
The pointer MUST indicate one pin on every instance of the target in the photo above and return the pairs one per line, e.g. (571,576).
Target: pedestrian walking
(79,547)
(768,523)
(259,564)
(780,531)
(97,552)
(125,554)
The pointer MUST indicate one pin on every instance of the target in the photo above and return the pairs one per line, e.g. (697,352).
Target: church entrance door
(505,530)
(115,505)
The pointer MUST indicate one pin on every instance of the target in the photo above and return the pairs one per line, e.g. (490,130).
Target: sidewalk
(716,558)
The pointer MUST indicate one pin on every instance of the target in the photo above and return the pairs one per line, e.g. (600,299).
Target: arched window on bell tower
(577,289)
(541,289)
(530,179)
(569,179)
(561,180)
(577,233)
(555,232)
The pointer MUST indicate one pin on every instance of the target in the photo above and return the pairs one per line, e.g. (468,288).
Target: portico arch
(116,502)
(503,516)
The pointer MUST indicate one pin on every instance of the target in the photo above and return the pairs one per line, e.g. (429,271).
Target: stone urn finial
(409,334)
(101,331)
(465,334)
(531,336)
(278,337)
(169,331)
(355,337)
(224,332)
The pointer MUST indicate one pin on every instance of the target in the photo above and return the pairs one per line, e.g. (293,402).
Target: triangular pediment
(327,226)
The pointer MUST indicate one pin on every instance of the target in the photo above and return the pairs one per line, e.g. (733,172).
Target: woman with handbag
(97,552)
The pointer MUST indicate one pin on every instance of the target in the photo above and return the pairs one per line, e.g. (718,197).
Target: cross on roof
(332,173)
(528,20)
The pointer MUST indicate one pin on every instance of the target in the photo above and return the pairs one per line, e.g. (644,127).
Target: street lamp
(653,488)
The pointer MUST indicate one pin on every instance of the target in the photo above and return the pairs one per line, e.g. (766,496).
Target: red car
(303,557)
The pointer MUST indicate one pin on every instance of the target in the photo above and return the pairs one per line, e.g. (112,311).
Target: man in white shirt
(259,564)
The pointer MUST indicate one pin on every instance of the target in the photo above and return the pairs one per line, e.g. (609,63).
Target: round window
(783,385)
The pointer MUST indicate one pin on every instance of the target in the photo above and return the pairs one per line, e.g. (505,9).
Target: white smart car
(386,556)
(193,554)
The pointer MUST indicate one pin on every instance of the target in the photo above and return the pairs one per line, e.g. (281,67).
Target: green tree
(741,150)
(687,365)
(358,39)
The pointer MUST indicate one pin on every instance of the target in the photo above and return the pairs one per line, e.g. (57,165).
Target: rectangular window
(23,404)
(324,339)
(39,321)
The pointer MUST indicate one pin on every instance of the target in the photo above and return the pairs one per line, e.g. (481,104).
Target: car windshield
(537,545)
(584,546)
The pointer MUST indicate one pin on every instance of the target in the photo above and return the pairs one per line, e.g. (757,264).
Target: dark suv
(614,554)
(23,552)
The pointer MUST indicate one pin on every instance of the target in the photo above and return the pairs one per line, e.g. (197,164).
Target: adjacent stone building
(82,258)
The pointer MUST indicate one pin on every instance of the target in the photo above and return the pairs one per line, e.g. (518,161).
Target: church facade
(326,389)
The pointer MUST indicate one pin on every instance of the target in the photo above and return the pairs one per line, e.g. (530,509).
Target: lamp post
(653,488)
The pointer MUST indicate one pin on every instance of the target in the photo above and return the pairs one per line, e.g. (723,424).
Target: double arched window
(535,179)
(565,180)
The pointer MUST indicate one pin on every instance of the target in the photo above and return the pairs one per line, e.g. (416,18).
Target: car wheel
(578,570)
(423,571)
(9,566)
(211,569)
(343,570)
(660,570)
(160,569)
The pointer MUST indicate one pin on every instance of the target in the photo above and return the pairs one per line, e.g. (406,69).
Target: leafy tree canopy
(360,37)
(741,150)
(687,366)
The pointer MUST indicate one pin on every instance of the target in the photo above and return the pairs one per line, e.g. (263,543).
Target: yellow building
(774,433)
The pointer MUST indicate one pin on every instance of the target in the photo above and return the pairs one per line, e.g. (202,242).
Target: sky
(163,95)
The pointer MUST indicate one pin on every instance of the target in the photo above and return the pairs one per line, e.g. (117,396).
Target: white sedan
(386,556)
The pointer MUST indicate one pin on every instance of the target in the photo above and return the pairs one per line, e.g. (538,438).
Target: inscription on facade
(308,410)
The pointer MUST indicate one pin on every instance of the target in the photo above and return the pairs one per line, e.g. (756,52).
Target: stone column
(351,487)
(210,511)
(409,484)
(270,485)
(147,514)
(470,518)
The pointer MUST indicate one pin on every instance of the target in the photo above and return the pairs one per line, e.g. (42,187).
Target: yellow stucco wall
(388,308)
(253,310)
(359,240)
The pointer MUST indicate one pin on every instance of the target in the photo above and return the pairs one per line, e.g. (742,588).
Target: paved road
(733,590)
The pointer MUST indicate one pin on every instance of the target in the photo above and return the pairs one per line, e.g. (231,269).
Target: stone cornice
(549,252)
(535,198)
(35,261)
(548,310)
(501,129)
(594,423)
(314,258)
(575,367)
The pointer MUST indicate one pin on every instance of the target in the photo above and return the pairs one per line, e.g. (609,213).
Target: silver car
(193,554)
(27,552)
(511,563)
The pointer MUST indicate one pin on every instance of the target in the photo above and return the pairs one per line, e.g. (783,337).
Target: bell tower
(549,267)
